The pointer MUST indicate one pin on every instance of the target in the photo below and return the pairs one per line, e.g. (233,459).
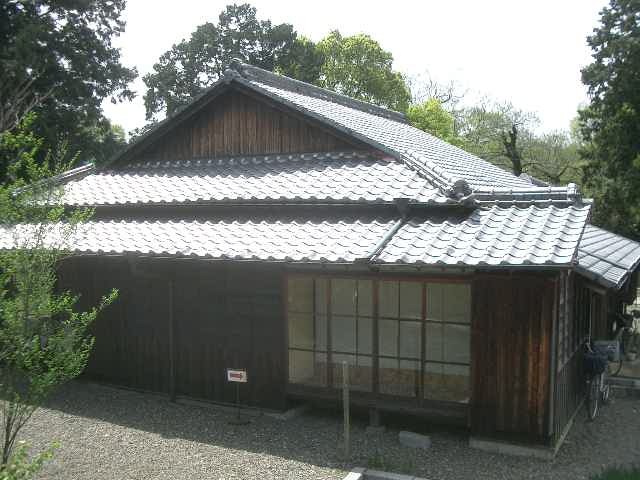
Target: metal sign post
(237,376)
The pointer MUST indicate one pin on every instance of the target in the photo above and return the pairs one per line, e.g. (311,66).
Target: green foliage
(358,67)
(619,473)
(610,125)
(23,467)
(554,158)
(17,148)
(44,341)
(192,65)
(57,60)
(508,137)
(498,132)
(431,117)
(303,62)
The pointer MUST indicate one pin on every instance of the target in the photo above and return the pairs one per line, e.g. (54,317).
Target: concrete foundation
(494,446)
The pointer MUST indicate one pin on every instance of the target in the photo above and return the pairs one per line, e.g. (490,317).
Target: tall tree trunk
(510,144)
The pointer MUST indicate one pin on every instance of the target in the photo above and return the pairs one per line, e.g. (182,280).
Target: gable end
(237,123)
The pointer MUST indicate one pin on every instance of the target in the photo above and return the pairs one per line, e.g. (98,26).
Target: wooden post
(238,402)
(345,406)
(172,348)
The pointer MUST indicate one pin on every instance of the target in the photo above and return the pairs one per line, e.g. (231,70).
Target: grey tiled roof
(326,177)
(606,257)
(450,169)
(326,241)
(445,161)
(454,172)
(488,236)
(491,236)
(383,128)
(418,167)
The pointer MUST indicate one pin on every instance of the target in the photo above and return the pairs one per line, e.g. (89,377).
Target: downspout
(403,208)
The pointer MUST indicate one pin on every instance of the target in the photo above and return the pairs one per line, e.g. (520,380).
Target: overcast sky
(529,53)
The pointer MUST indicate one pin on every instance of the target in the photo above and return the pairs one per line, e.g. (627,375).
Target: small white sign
(239,376)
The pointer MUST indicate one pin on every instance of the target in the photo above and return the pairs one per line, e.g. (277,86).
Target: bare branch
(423,87)
(18,98)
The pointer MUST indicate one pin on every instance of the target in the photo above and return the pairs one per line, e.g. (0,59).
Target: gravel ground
(107,433)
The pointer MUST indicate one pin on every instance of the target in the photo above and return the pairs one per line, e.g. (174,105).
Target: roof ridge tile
(251,72)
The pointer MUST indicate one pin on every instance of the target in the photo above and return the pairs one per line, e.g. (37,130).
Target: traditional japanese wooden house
(282,228)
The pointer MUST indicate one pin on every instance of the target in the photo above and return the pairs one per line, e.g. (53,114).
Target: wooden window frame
(375,318)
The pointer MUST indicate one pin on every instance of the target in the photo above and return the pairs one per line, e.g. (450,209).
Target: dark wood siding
(234,124)
(231,317)
(510,350)
(224,317)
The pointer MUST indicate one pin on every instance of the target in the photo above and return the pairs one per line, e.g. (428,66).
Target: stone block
(414,440)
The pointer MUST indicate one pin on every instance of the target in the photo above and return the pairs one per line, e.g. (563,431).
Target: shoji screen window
(447,342)
(307,318)
(400,337)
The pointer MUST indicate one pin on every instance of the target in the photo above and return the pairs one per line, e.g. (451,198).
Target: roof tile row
(487,236)
(491,236)
(333,177)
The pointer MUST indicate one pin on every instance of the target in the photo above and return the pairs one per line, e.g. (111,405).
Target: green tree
(611,122)
(554,158)
(498,132)
(509,137)
(359,67)
(44,340)
(431,117)
(192,65)
(57,59)
(356,66)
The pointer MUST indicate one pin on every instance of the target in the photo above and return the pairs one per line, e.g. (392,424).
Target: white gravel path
(108,433)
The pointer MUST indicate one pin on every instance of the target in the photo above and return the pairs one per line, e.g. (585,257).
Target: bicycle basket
(594,363)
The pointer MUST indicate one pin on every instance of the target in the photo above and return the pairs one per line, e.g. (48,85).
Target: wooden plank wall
(510,350)
(230,316)
(235,124)
(223,318)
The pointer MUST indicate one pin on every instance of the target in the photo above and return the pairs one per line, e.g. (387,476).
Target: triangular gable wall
(236,123)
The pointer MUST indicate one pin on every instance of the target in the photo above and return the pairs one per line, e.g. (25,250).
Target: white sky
(529,53)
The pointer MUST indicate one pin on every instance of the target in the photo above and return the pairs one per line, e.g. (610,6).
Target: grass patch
(619,473)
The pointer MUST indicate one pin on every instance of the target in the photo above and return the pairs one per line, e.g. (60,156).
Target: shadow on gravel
(313,438)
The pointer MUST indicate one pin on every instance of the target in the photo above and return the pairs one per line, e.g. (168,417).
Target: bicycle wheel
(593,396)
(605,389)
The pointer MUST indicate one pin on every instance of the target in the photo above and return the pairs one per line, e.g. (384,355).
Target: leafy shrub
(619,473)
(23,467)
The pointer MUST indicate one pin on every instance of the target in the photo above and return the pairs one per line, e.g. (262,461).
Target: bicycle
(622,336)
(598,390)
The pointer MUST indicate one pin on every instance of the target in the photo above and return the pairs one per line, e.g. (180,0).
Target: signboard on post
(237,376)
(234,375)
